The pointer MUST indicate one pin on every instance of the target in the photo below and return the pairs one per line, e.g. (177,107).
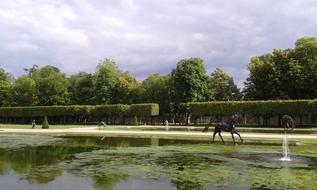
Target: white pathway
(135,133)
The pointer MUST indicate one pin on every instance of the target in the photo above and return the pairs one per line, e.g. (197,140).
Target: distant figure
(33,124)
(287,122)
(166,125)
(206,129)
(102,124)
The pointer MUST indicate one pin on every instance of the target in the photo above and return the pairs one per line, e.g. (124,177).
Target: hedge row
(274,107)
(97,111)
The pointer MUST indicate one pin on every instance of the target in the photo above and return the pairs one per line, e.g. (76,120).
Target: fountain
(286,155)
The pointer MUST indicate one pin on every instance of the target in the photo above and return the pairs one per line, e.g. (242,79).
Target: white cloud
(148,36)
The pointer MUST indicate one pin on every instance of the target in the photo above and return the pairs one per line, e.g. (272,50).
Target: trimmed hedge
(274,107)
(74,110)
(144,109)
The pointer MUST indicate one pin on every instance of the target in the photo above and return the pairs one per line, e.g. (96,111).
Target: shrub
(135,121)
(274,107)
(45,123)
(78,111)
(144,109)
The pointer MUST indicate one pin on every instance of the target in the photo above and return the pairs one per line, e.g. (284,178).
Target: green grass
(39,126)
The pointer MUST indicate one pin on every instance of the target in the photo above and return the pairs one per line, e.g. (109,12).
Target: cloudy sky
(147,36)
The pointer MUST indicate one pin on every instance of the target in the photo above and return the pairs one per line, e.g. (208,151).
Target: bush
(80,111)
(45,123)
(144,109)
(135,121)
(274,107)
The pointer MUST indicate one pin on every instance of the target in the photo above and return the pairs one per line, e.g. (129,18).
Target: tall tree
(281,60)
(189,83)
(4,93)
(107,76)
(284,74)
(5,81)
(81,89)
(52,86)
(157,90)
(223,86)
(23,92)
(303,68)
(263,82)
(125,89)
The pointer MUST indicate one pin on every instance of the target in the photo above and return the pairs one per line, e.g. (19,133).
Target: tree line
(280,74)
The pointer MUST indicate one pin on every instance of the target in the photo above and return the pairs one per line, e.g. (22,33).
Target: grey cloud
(149,36)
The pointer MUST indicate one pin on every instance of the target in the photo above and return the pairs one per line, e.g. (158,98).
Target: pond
(92,163)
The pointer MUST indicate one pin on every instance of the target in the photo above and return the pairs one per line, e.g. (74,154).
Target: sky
(149,36)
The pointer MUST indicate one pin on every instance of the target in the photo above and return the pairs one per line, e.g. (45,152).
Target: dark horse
(287,122)
(228,126)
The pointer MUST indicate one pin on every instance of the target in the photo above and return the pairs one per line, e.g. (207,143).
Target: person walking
(33,124)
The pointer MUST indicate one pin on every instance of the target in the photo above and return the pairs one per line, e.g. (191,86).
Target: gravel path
(131,133)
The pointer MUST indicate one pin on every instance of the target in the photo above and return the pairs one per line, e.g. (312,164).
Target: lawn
(18,126)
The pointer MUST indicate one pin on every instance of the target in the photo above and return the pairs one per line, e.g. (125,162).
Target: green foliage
(144,109)
(135,121)
(223,86)
(96,111)
(81,89)
(4,93)
(263,83)
(111,110)
(157,89)
(23,92)
(45,123)
(284,74)
(5,76)
(125,88)
(190,82)
(274,107)
(107,75)
(52,86)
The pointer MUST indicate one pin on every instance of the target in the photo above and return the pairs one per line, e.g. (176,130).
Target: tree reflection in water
(116,162)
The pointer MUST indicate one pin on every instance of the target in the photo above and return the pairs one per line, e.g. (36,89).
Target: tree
(125,89)
(284,74)
(157,90)
(45,124)
(52,86)
(82,89)
(5,81)
(23,92)
(5,76)
(281,60)
(223,86)
(4,93)
(263,82)
(107,76)
(189,83)
(303,68)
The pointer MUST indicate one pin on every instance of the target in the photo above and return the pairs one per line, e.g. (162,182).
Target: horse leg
(221,137)
(238,135)
(234,141)
(213,137)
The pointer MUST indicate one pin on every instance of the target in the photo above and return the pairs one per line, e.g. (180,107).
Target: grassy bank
(39,126)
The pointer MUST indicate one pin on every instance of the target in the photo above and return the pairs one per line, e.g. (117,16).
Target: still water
(89,163)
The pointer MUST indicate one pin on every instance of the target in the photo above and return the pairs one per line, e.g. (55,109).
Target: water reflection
(121,163)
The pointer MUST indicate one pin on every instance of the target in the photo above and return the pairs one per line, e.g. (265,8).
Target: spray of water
(286,152)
